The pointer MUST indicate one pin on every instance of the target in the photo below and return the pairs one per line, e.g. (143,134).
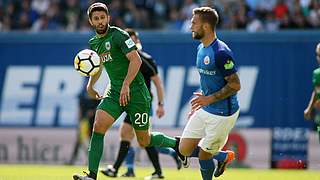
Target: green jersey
(316,81)
(112,48)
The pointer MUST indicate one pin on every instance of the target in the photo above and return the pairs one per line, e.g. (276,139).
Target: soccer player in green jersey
(127,90)
(313,109)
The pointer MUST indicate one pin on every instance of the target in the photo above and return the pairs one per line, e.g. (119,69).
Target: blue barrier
(275,70)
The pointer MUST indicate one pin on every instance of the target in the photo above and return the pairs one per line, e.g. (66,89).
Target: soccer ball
(87,62)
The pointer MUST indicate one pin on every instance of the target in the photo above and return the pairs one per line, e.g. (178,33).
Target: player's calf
(184,159)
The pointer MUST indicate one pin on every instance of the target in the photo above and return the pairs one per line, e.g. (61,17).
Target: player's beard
(198,35)
(102,30)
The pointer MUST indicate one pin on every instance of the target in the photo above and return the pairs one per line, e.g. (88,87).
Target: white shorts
(213,130)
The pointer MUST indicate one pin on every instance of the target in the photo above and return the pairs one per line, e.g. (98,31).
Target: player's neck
(208,38)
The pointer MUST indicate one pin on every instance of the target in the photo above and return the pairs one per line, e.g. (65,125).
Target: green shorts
(138,107)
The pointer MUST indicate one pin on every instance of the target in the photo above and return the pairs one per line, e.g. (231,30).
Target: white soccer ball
(87,62)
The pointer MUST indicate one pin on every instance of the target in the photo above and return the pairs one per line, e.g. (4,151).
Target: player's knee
(128,136)
(143,144)
(98,126)
(126,133)
(143,141)
(203,155)
(103,121)
(184,150)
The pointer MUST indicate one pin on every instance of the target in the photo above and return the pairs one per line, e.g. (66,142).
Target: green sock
(95,151)
(158,139)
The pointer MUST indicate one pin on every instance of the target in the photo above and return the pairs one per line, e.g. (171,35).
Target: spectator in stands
(175,22)
(314,14)
(253,15)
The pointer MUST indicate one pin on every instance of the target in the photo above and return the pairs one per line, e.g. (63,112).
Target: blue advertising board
(39,86)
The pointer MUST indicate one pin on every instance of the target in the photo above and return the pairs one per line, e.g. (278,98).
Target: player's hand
(160,111)
(307,113)
(124,95)
(93,93)
(199,101)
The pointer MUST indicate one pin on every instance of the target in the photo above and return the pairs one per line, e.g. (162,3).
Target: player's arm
(151,70)
(225,64)
(92,80)
(128,47)
(133,69)
(160,94)
(134,66)
(308,110)
(232,87)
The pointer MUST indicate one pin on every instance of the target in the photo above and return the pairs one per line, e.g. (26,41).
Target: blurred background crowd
(170,15)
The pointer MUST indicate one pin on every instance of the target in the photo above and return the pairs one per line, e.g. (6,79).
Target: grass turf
(51,172)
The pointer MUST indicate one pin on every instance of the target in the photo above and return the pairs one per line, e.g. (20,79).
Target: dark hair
(97,7)
(131,32)
(207,15)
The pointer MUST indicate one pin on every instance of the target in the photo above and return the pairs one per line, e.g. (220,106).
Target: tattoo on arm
(232,86)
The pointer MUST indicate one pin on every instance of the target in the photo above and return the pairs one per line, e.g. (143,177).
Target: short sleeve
(151,68)
(316,77)
(225,63)
(124,41)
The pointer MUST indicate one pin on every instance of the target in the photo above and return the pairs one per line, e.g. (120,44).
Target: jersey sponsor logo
(206,72)
(107,45)
(206,60)
(229,64)
(129,42)
(106,57)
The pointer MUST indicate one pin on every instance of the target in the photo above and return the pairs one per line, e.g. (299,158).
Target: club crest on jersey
(108,45)
(206,60)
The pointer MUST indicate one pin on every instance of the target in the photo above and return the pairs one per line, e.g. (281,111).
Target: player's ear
(206,26)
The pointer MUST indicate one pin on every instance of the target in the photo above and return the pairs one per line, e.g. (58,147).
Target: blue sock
(206,168)
(130,159)
(221,156)
(165,150)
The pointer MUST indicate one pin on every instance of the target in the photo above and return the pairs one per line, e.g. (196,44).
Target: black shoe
(184,159)
(128,174)
(86,177)
(154,175)
(110,171)
(178,161)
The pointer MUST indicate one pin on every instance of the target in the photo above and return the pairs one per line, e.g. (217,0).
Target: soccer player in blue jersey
(214,109)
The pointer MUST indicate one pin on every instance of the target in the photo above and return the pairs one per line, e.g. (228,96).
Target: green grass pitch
(51,172)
